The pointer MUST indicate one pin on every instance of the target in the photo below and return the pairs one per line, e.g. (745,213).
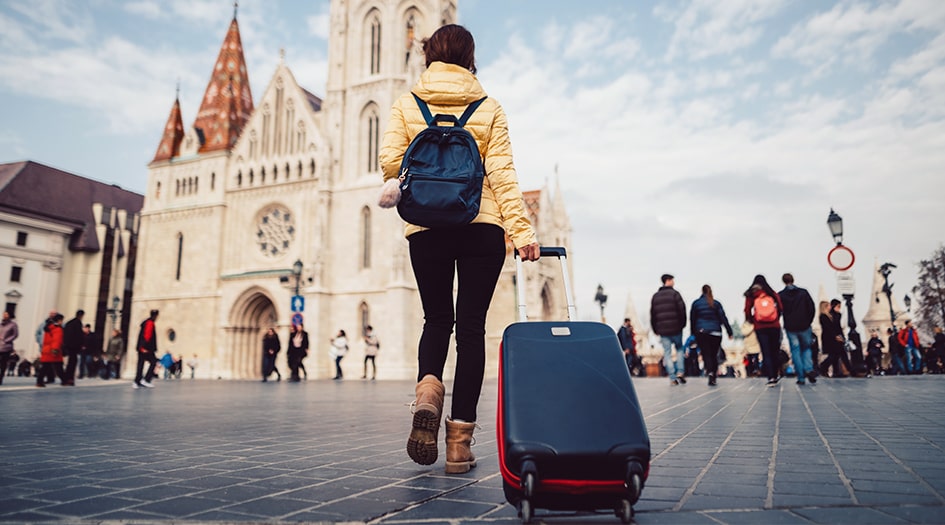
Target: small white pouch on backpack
(390,194)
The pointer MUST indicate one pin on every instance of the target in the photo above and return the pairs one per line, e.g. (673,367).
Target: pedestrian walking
(51,356)
(752,350)
(763,309)
(937,352)
(8,333)
(668,318)
(271,347)
(475,251)
(691,360)
(192,364)
(114,355)
(296,351)
(832,339)
(337,350)
(371,347)
(874,353)
(909,339)
(628,343)
(147,351)
(73,342)
(707,318)
(799,312)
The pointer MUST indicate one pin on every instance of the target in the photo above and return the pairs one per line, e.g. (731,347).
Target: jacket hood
(449,85)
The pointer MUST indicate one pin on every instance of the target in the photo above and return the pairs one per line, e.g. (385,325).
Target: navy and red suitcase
(571,435)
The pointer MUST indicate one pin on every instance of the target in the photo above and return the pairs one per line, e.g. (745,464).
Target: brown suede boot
(421,445)
(459,456)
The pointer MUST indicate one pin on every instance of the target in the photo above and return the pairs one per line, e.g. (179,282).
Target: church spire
(173,133)
(228,102)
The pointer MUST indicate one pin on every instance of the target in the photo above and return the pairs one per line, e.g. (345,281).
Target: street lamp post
(885,270)
(113,312)
(297,272)
(601,299)
(835,223)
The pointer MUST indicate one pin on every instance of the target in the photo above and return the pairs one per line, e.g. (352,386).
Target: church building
(262,213)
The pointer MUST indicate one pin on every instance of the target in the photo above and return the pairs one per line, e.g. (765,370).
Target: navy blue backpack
(441,173)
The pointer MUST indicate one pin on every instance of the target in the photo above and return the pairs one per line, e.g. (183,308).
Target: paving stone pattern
(856,451)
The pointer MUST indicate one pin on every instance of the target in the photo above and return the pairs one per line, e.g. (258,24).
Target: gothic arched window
(372,133)
(365,237)
(374,23)
(180,254)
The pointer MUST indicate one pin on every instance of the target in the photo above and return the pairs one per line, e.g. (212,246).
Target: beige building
(66,243)
(258,200)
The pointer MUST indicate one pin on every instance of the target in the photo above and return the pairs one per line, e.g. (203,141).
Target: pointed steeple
(228,102)
(173,134)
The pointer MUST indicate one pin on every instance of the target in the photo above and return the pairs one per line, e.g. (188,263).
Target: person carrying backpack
(475,251)
(763,310)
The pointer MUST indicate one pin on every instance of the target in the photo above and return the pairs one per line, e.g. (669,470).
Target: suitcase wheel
(624,511)
(634,481)
(529,478)
(526,511)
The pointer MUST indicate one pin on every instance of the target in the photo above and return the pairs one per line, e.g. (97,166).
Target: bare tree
(931,290)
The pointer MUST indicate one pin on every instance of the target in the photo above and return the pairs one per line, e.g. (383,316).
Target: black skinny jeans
(770,341)
(476,253)
(145,357)
(709,346)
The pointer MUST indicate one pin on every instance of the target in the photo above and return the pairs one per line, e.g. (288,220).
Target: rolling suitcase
(571,435)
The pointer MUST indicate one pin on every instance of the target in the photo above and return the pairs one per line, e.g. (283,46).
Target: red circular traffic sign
(841,258)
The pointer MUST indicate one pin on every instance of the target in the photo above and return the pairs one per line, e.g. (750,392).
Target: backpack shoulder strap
(424,109)
(430,119)
(469,111)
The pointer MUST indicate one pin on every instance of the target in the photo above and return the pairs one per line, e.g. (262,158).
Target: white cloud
(706,28)
(318,24)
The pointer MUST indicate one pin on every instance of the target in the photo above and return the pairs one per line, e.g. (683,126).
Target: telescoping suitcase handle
(546,251)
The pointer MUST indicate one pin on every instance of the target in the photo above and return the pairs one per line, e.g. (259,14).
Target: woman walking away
(296,351)
(475,251)
(763,310)
(338,350)
(371,347)
(271,348)
(707,317)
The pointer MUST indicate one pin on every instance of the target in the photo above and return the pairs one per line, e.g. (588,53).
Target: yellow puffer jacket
(448,89)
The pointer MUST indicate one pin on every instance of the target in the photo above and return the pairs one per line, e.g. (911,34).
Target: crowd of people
(298,349)
(69,350)
(779,339)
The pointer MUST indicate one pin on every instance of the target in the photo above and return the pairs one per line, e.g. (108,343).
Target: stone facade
(223,228)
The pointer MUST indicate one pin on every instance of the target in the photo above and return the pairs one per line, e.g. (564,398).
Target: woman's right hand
(530,252)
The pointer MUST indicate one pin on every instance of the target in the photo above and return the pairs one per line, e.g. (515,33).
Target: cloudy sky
(704,138)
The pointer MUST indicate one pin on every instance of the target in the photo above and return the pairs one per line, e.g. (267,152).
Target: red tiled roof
(42,192)
(173,134)
(228,102)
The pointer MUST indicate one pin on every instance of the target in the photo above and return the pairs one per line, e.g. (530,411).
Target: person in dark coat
(297,349)
(799,313)
(73,340)
(707,318)
(832,338)
(271,348)
(147,351)
(668,318)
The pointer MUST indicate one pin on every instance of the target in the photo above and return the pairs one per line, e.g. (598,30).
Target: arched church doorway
(251,315)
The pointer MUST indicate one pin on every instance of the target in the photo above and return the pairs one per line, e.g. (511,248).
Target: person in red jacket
(147,351)
(909,339)
(763,309)
(51,354)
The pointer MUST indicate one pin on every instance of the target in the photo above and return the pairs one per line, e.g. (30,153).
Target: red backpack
(766,309)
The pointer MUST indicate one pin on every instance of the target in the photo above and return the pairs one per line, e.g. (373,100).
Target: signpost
(298,303)
(297,319)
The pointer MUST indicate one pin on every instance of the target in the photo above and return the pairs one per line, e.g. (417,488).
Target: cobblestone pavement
(842,451)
